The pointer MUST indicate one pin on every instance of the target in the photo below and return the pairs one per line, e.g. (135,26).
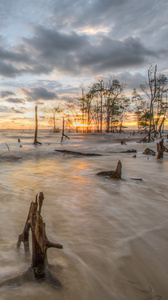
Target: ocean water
(114,233)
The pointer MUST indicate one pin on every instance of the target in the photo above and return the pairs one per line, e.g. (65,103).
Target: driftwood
(77,153)
(39,270)
(113,174)
(126,151)
(148,151)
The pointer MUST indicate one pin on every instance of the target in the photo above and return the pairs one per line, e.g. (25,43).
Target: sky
(49,48)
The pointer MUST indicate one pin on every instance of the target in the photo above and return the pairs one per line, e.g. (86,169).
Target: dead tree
(63,134)
(36,128)
(152,84)
(113,174)
(39,270)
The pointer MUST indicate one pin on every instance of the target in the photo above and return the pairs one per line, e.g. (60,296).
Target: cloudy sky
(48,48)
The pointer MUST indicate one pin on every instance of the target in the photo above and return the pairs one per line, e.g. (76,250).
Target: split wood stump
(39,269)
(113,174)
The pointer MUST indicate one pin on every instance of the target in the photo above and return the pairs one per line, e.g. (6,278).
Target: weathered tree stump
(148,151)
(113,174)
(160,149)
(39,269)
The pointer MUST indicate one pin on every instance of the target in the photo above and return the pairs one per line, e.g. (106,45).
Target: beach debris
(113,174)
(19,141)
(148,151)
(134,156)
(123,143)
(77,153)
(39,270)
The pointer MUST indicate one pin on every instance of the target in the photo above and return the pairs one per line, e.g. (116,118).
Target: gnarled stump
(39,269)
(113,174)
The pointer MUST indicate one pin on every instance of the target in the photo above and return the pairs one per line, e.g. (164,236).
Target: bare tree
(52,113)
(151,94)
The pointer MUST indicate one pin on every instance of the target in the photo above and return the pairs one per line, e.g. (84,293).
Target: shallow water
(114,233)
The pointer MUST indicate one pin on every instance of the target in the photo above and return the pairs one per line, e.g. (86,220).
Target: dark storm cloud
(74,53)
(81,13)
(8,70)
(122,15)
(39,93)
(4,94)
(17,54)
(134,29)
(109,54)
(144,19)
(15,100)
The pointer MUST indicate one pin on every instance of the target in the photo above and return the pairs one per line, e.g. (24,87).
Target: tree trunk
(108,116)
(113,174)
(36,128)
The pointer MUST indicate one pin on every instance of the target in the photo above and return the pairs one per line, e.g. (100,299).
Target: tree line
(105,106)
